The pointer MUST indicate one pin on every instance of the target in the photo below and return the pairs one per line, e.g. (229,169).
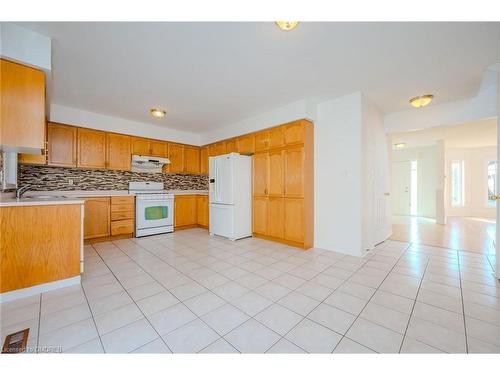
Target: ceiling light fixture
(400,145)
(421,101)
(158,113)
(287,25)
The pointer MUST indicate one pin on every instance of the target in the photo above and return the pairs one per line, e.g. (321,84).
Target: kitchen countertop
(72,196)
(106,193)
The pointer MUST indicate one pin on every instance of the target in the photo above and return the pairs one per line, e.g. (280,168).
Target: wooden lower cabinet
(97,217)
(119,227)
(122,215)
(39,244)
(185,213)
(202,210)
(276,217)
(260,216)
(294,219)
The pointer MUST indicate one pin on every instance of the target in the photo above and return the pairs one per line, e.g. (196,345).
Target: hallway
(459,233)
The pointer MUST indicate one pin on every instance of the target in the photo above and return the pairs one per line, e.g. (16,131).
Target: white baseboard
(37,289)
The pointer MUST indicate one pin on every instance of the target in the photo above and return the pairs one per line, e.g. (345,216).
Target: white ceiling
(480,133)
(209,75)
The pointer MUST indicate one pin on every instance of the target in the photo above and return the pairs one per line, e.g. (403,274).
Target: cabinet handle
(265,191)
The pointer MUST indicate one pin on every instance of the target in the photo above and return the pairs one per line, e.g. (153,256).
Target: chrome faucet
(20,191)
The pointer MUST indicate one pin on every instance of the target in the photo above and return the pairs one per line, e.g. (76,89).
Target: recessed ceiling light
(157,113)
(400,145)
(421,101)
(287,25)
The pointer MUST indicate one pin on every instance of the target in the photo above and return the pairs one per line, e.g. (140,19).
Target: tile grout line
(463,305)
(93,320)
(135,303)
(413,306)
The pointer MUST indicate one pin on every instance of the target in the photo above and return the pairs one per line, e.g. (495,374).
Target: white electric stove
(154,208)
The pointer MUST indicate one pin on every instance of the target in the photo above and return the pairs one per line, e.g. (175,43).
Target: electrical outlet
(70,182)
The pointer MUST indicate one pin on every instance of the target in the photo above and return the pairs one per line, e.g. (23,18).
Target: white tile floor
(188,292)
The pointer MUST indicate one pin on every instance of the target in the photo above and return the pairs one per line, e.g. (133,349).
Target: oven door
(152,213)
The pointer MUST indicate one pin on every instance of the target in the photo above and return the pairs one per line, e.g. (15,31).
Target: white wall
(72,116)
(338,175)
(475,181)
(427,176)
(301,109)
(25,46)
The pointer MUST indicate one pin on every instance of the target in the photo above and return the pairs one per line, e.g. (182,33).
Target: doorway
(405,188)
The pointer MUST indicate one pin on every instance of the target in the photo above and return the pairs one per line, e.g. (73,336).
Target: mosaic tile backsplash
(44,178)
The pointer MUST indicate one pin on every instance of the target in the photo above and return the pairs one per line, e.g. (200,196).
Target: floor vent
(16,342)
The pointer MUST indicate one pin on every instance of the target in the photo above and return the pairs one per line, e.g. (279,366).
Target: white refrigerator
(230,196)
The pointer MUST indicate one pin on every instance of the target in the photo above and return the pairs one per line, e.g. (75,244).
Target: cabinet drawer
(122,207)
(122,200)
(120,215)
(122,227)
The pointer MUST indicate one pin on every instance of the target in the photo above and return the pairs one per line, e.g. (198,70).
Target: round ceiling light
(400,145)
(421,101)
(287,25)
(157,113)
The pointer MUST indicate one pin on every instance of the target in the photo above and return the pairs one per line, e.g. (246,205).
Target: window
(457,183)
(492,181)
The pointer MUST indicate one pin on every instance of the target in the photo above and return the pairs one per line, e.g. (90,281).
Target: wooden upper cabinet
(192,159)
(140,146)
(294,132)
(61,147)
(294,219)
(260,216)
(32,159)
(294,172)
(91,148)
(22,108)
(97,217)
(277,137)
(262,141)
(158,148)
(231,146)
(260,173)
(246,144)
(118,151)
(176,156)
(204,160)
(276,171)
(216,149)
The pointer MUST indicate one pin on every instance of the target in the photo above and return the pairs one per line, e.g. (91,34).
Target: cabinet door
(22,106)
(176,156)
(276,137)
(97,218)
(294,133)
(231,146)
(260,215)
(61,148)
(294,172)
(192,159)
(246,144)
(262,141)
(217,149)
(158,148)
(260,173)
(118,151)
(185,210)
(204,160)
(91,148)
(32,159)
(140,146)
(202,210)
(294,219)
(276,218)
(276,168)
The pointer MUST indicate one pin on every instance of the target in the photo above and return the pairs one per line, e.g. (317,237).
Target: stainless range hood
(148,164)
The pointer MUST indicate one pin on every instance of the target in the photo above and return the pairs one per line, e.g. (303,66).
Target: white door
(401,182)
(221,220)
(221,179)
